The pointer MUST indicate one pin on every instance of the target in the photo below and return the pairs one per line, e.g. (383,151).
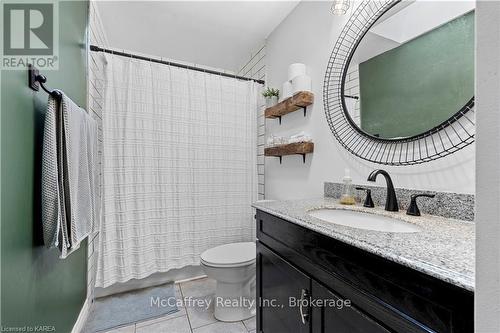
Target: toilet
(233,267)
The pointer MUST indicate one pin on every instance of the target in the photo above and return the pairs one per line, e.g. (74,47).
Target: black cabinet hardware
(37,80)
(304,298)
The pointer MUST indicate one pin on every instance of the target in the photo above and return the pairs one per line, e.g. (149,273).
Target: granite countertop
(443,249)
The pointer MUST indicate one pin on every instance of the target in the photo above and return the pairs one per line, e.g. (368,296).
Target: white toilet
(233,267)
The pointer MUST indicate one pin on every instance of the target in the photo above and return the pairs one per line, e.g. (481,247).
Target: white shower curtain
(179,167)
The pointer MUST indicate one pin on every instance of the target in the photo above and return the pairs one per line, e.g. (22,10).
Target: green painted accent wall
(37,287)
(418,85)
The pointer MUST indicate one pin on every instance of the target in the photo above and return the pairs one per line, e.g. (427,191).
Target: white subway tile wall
(95,101)
(255,68)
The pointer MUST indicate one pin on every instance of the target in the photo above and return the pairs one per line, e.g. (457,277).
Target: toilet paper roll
(286,90)
(301,83)
(296,70)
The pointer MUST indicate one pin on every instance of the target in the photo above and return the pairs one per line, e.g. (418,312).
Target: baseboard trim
(154,279)
(82,317)
(191,279)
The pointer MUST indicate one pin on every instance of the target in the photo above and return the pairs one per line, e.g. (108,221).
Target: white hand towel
(300,137)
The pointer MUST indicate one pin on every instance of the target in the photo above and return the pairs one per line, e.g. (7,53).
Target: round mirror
(400,72)
(413,69)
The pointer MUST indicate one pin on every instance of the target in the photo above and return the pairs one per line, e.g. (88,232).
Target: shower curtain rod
(135,56)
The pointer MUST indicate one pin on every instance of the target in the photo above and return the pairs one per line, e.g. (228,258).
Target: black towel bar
(35,80)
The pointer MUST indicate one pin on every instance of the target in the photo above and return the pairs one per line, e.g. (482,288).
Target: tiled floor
(191,319)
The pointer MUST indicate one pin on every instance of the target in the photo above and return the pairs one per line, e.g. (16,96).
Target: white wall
(307,35)
(488,167)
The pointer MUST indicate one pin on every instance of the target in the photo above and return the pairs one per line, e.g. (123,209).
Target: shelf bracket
(279,118)
(303,158)
(305,110)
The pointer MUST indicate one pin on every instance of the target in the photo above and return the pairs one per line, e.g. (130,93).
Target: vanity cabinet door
(335,314)
(278,283)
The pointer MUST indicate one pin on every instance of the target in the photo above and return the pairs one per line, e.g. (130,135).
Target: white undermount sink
(362,220)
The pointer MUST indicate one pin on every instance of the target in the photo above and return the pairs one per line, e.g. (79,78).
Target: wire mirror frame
(448,137)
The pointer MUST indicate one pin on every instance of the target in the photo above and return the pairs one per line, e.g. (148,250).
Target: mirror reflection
(413,70)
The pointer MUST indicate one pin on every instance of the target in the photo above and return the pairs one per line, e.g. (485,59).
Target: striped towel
(69,177)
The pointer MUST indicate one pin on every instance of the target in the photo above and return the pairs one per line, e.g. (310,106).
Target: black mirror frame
(448,137)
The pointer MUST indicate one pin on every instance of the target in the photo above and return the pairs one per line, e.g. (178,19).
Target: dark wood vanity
(366,293)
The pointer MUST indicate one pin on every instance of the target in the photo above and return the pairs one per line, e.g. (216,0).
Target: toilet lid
(229,255)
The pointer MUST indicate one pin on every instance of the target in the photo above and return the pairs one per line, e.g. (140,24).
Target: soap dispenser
(347,197)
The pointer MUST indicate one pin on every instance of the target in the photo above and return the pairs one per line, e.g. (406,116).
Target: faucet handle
(368,200)
(413,208)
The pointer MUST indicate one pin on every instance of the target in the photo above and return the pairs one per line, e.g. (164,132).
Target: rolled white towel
(296,70)
(286,90)
(301,83)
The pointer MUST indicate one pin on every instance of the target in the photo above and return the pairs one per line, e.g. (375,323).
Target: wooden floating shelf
(299,148)
(300,100)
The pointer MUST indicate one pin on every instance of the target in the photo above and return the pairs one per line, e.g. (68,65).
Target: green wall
(38,288)
(416,86)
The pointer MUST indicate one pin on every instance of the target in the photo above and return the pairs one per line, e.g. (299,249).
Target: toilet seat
(230,255)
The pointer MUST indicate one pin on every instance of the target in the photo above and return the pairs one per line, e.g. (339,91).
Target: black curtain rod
(135,56)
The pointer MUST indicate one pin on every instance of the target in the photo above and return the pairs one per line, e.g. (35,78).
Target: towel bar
(35,80)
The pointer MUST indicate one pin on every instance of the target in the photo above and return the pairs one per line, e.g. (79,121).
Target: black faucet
(391,203)
(413,208)
(368,200)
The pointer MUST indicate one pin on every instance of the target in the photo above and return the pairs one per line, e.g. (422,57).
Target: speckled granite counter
(443,249)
